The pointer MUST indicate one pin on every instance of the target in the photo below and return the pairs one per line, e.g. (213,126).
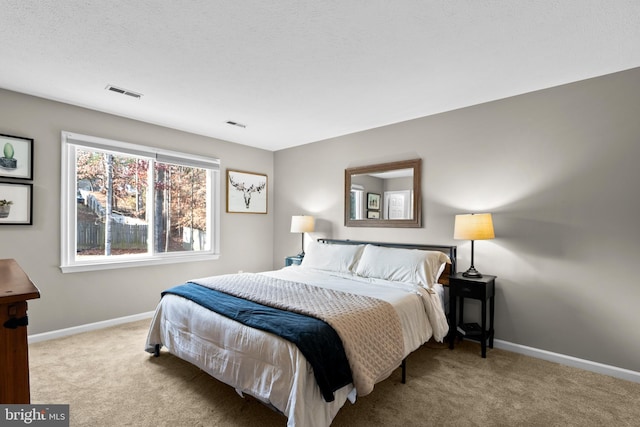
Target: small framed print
(16,157)
(373,214)
(16,201)
(246,192)
(373,201)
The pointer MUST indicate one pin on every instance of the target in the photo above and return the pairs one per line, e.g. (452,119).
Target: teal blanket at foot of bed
(318,342)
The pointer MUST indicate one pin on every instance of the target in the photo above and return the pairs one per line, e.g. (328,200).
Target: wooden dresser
(15,289)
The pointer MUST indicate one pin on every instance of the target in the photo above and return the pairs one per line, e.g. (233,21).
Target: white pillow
(401,265)
(325,256)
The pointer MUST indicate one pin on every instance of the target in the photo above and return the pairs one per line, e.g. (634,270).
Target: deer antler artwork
(247,191)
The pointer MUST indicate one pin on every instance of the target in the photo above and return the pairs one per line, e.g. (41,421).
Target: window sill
(134,262)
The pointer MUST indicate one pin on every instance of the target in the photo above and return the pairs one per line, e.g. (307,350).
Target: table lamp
(302,224)
(473,227)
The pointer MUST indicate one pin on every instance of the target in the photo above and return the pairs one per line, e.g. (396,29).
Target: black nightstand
(293,260)
(483,289)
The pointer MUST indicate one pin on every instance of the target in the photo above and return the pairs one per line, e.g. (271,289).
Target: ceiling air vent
(124,91)
(232,123)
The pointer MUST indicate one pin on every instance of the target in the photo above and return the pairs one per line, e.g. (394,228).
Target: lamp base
(472,273)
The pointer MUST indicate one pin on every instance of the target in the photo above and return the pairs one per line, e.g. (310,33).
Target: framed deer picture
(246,192)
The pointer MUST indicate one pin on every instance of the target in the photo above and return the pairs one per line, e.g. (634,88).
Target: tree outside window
(129,205)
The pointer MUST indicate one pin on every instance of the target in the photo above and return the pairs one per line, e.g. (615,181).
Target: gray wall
(557,168)
(559,171)
(79,298)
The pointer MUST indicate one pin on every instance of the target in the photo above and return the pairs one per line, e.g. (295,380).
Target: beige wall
(558,169)
(80,298)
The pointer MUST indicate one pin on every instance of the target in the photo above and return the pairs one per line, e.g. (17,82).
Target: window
(129,205)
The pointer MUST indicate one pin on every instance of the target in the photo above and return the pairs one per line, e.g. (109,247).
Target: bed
(381,300)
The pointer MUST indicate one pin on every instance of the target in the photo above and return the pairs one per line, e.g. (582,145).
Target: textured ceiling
(299,71)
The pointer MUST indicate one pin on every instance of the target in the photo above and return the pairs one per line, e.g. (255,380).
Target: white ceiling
(299,71)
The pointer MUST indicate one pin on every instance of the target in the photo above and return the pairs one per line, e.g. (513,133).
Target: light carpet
(108,380)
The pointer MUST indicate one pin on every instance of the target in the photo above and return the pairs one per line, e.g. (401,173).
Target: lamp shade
(302,223)
(473,227)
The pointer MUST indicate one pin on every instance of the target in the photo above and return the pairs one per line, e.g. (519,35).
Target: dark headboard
(451,251)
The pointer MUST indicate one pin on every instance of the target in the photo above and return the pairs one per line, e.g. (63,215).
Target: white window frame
(68,202)
(357,192)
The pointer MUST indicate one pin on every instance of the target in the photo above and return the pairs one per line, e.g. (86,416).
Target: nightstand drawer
(469,290)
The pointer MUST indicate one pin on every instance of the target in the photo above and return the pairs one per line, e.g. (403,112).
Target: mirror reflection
(383,195)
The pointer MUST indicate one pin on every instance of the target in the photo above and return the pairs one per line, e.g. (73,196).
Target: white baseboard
(562,359)
(45,336)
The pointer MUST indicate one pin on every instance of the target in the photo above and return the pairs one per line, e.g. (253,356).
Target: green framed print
(16,157)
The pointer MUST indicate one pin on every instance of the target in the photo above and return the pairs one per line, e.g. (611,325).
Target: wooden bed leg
(156,350)
(404,371)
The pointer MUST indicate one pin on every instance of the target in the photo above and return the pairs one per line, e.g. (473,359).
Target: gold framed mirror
(384,195)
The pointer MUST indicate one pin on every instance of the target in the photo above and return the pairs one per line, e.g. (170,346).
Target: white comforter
(272,369)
